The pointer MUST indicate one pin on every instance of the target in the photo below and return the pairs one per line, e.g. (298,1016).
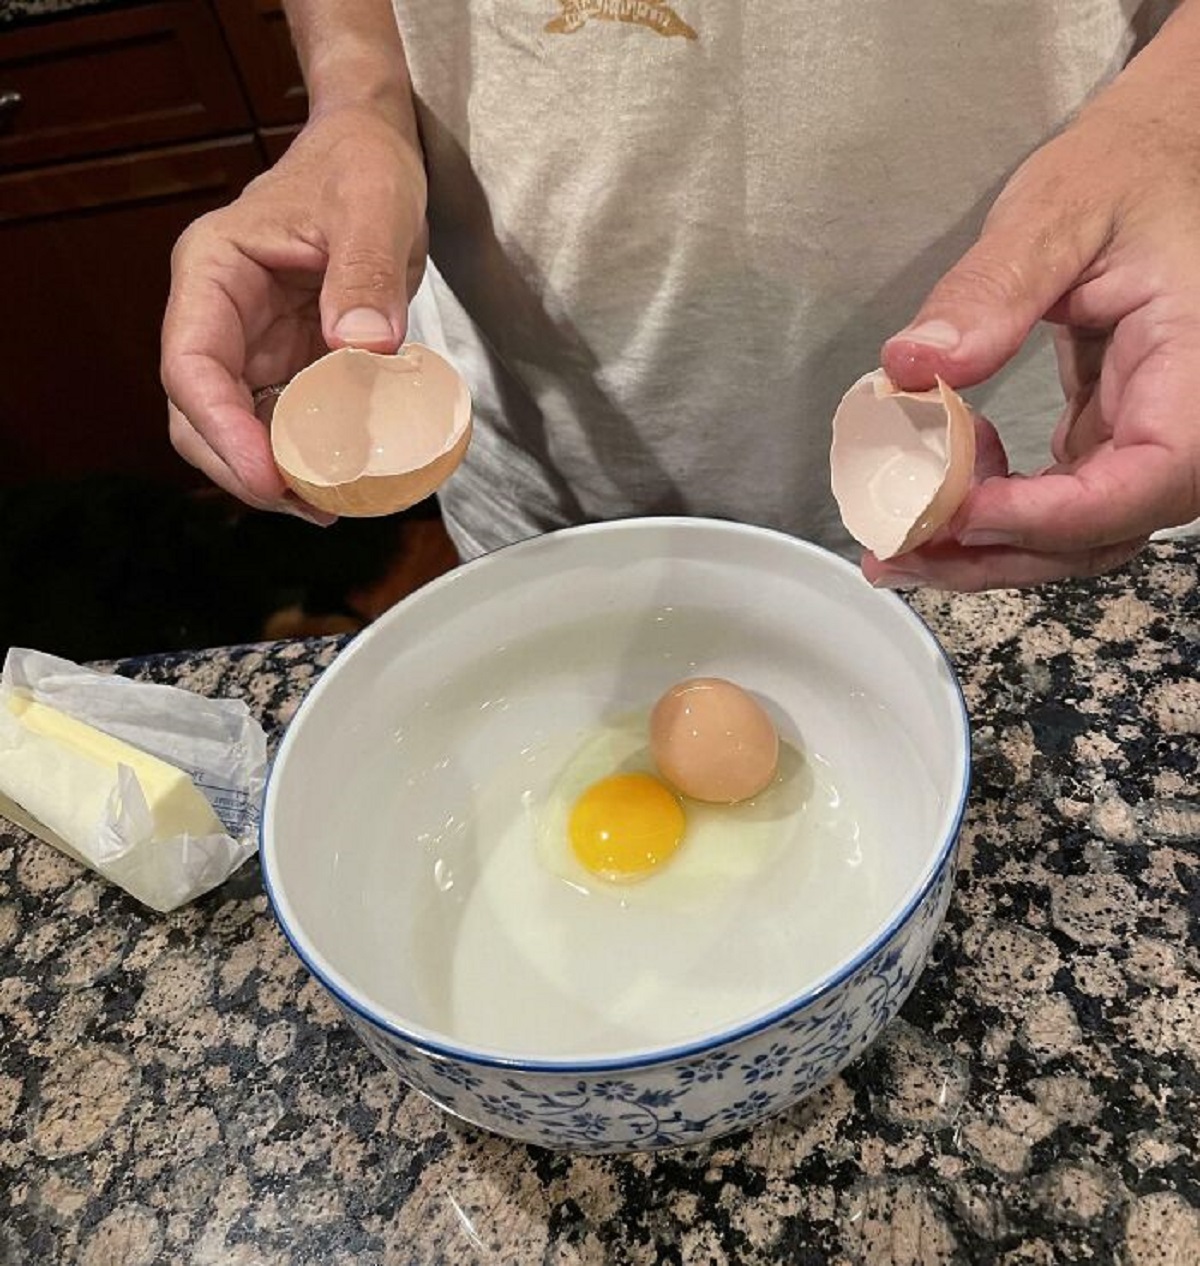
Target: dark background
(120,123)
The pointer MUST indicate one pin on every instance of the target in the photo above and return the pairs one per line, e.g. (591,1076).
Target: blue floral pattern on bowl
(691,1095)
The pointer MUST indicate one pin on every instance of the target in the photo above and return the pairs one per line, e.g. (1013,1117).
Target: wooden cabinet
(121,127)
(117,80)
(86,253)
(258,35)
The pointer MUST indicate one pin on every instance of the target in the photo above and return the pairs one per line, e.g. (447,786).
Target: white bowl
(399,854)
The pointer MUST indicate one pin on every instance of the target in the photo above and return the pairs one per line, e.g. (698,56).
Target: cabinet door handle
(10,99)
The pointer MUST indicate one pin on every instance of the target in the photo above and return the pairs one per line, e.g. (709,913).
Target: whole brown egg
(713,741)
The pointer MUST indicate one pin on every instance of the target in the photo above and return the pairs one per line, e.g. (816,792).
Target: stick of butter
(73,768)
(134,818)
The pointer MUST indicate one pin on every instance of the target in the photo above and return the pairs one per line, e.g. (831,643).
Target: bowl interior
(404,809)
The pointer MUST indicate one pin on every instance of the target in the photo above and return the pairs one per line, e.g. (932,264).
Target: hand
(1099,233)
(322,251)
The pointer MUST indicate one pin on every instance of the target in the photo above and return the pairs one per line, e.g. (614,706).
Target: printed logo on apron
(652,14)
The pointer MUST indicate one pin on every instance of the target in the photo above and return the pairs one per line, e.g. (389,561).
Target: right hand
(322,251)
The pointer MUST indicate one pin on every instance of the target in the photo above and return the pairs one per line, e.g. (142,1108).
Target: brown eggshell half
(359,433)
(901,462)
(712,741)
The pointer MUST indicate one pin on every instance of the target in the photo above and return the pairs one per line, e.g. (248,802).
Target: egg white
(539,955)
(723,845)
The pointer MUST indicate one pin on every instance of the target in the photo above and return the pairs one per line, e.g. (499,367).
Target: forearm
(351,54)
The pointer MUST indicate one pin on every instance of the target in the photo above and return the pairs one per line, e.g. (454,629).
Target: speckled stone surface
(177,1089)
(15,13)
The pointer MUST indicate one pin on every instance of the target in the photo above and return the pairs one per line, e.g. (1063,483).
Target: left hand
(1099,233)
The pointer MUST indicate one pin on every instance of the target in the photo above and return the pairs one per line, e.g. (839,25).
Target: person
(660,239)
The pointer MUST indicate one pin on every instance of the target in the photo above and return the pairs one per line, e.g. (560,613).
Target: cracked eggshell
(362,433)
(901,462)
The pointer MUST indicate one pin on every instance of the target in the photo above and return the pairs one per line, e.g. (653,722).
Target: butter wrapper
(155,788)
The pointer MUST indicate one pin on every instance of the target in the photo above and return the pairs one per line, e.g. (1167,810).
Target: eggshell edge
(960,467)
(373,496)
(957,473)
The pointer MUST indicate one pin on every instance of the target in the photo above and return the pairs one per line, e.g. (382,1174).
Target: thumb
(364,298)
(977,316)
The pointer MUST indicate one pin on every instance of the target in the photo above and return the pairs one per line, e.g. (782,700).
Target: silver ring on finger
(271,392)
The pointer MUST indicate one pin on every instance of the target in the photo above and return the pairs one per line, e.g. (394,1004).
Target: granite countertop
(14,13)
(178,1089)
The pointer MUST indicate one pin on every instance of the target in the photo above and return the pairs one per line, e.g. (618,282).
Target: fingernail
(318,518)
(986,536)
(899,580)
(937,334)
(363,325)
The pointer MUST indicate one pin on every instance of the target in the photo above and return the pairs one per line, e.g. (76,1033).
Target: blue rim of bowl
(683,1051)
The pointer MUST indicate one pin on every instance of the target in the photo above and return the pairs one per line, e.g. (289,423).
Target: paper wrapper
(111,829)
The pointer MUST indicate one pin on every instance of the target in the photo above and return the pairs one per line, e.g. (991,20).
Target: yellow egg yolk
(626,826)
